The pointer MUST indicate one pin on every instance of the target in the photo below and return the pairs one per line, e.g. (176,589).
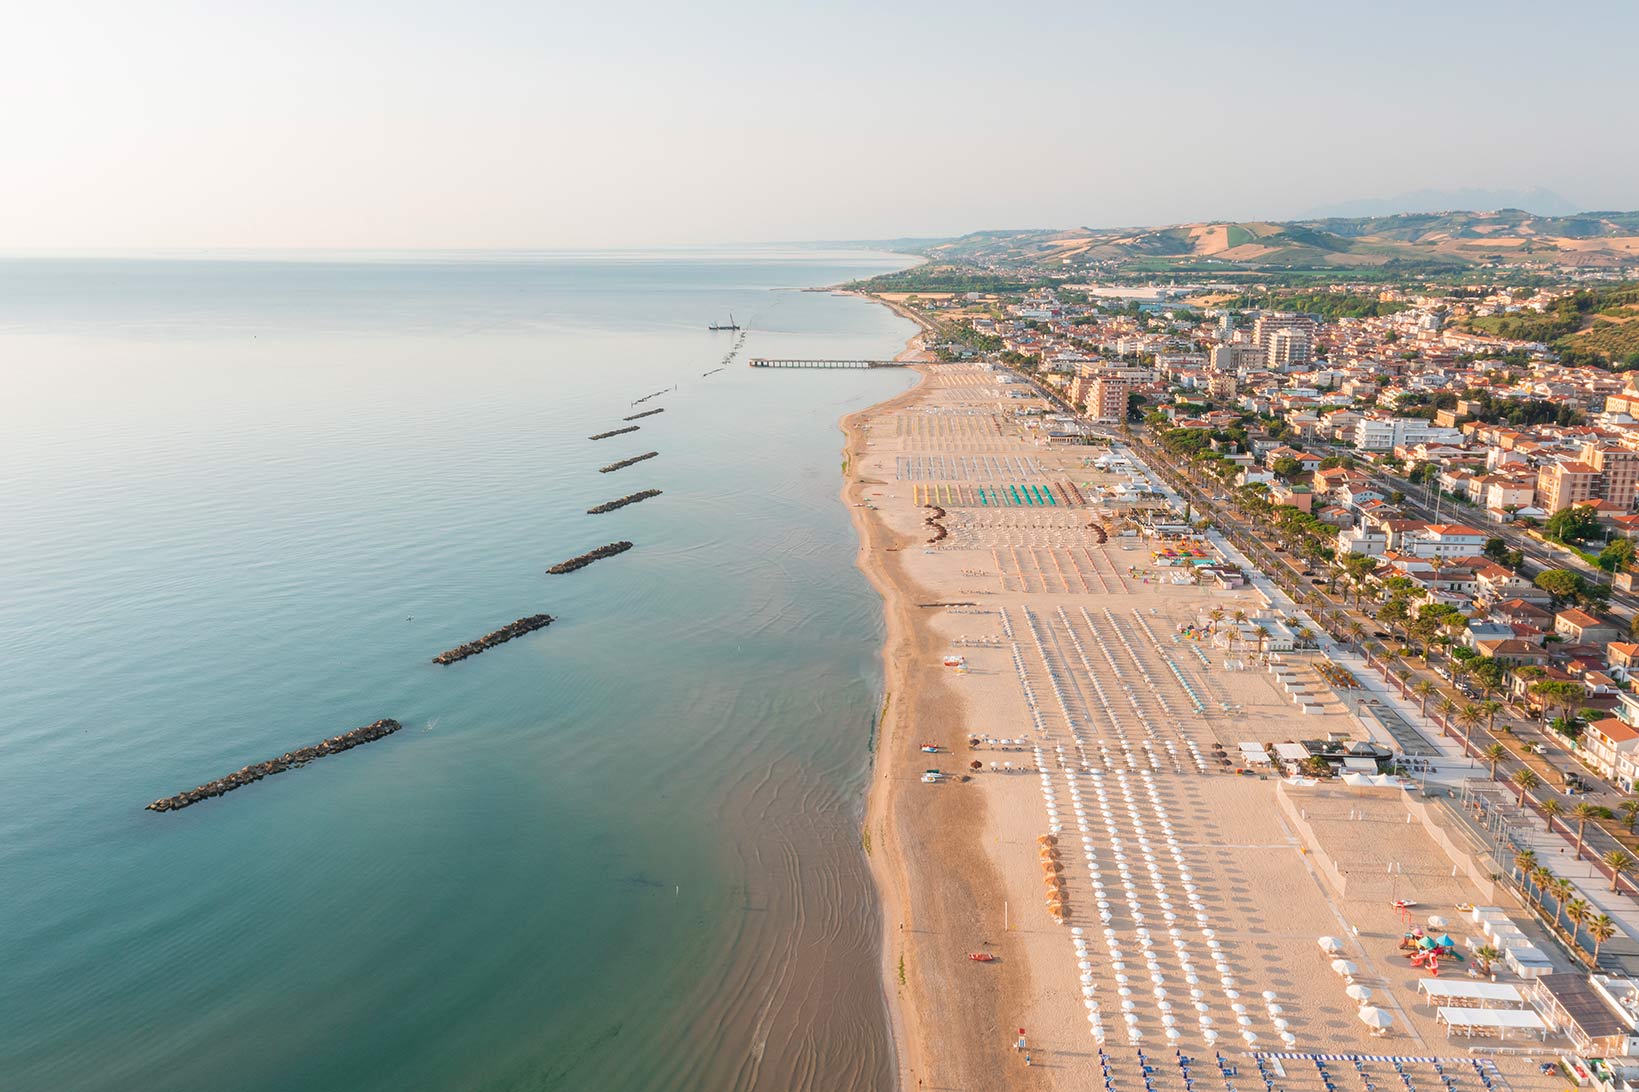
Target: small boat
(981,957)
(931,748)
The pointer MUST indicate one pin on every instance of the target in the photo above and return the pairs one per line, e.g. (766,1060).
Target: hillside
(1413,242)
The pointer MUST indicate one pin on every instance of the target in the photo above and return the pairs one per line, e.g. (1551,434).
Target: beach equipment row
(1139,792)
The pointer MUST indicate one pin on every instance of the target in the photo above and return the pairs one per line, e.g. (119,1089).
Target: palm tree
(1618,861)
(1445,709)
(1495,753)
(1492,707)
(1540,879)
(1552,808)
(1630,812)
(1577,911)
(1423,688)
(1526,780)
(1525,860)
(1469,717)
(1402,673)
(1561,889)
(1582,813)
(1601,928)
(1486,955)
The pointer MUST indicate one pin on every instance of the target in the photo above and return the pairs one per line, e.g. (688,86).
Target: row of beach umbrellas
(1138,793)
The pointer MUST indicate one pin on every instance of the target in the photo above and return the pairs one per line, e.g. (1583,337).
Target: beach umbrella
(1275,1010)
(1172,1033)
(1435,921)
(1445,941)
(1281,1025)
(1344,967)
(1330,944)
(1374,1017)
(1210,1036)
(1250,1037)
(1359,992)
(1268,995)
(1288,1038)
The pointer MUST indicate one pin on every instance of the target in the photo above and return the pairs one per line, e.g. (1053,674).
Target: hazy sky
(357,123)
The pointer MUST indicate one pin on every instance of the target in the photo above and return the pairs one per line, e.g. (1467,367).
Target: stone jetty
(615,432)
(645,413)
(656,394)
(590,556)
(490,640)
(287,761)
(624,463)
(622,502)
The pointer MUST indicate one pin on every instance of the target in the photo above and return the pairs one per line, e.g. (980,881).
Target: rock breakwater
(590,556)
(287,761)
(624,463)
(621,502)
(615,432)
(490,640)
(645,413)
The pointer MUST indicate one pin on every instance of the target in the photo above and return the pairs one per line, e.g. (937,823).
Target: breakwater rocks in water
(645,413)
(287,761)
(590,556)
(615,432)
(622,502)
(624,463)
(490,640)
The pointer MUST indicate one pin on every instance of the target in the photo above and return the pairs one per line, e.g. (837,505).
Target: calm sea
(243,502)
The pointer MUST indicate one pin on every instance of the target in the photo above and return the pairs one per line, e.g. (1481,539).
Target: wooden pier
(771,362)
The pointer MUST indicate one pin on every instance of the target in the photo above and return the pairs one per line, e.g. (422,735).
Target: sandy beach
(1088,744)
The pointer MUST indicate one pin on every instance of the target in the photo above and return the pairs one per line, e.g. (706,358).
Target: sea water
(244,501)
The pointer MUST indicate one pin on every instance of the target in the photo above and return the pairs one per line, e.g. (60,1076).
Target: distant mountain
(1535,199)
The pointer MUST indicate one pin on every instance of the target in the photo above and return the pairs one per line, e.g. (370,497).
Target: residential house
(1581,628)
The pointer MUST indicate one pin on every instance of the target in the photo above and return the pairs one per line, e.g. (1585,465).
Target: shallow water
(244,502)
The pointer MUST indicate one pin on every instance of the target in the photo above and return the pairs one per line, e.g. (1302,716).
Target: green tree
(1616,556)
(1494,754)
(1577,523)
(1562,584)
(1630,812)
(1495,549)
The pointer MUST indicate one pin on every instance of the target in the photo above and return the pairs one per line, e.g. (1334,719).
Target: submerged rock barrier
(590,556)
(622,502)
(645,413)
(287,761)
(615,432)
(656,394)
(624,463)
(490,640)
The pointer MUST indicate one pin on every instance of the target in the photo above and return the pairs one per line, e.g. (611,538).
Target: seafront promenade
(1067,788)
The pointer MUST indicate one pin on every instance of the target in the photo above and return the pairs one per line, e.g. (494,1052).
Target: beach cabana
(1486,1022)
(1483,994)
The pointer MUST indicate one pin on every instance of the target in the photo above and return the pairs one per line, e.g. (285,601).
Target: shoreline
(910,908)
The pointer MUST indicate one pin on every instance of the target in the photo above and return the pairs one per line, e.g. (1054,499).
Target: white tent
(1467,1021)
(1499,994)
